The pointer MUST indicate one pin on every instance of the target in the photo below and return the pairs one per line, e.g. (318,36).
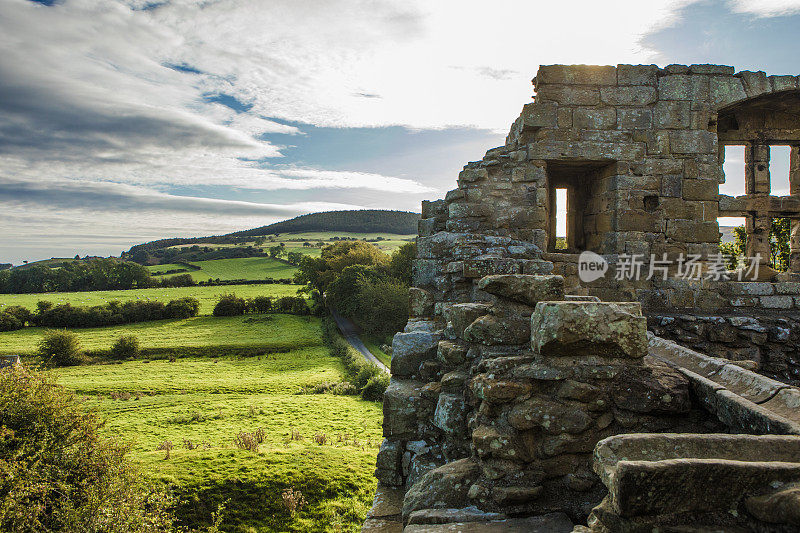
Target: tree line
(362,283)
(112,313)
(88,275)
(357,221)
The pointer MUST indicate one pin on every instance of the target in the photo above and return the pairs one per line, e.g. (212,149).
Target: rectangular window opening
(733,240)
(733,168)
(779,170)
(561,219)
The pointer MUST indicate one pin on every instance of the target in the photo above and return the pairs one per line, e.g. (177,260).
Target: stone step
(742,399)
(713,472)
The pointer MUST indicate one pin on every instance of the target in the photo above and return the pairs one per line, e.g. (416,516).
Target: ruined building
(529,395)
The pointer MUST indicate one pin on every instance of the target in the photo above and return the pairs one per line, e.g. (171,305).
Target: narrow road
(348,330)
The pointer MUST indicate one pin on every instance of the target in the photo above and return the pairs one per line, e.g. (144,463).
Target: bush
(59,473)
(126,347)
(60,347)
(230,305)
(113,313)
(375,387)
(20,313)
(183,308)
(262,304)
(9,322)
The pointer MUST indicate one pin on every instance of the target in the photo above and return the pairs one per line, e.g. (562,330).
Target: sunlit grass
(207,296)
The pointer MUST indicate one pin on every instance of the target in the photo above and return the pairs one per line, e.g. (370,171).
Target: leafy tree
(275,251)
(402,261)
(779,235)
(343,293)
(126,347)
(382,306)
(57,470)
(320,272)
(60,347)
(9,322)
(294,258)
(230,305)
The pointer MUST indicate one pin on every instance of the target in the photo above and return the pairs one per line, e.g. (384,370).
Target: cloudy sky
(127,120)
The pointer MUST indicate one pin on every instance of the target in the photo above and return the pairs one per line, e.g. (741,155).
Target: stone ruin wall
(496,422)
(640,150)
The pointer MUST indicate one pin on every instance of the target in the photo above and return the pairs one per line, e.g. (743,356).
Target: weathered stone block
(755,83)
(595,118)
(499,391)
(682,87)
(632,96)
(498,329)
(672,186)
(444,487)
(472,175)
(707,68)
(726,90)
(478,268)
(776,302)
(489,441)
(462,315)
(653,387)
(570,95)
(402,403)
(637,74)
(388,463)
(449,414)
(551,416)
(634,118)
(783,83)
(692,142)
(527,289)
(672,114)
(451,353)
(589,328)
(421,302)
(693,231)
(700,190)
(539,115)
(409,350)
(576,75)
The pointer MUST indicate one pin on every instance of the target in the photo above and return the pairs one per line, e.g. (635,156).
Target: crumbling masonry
(523,399)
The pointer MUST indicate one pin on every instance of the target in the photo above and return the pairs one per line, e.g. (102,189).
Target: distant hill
(728,234)
(360,221)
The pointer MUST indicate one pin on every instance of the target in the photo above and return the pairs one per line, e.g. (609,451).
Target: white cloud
(766,8)
(108,92)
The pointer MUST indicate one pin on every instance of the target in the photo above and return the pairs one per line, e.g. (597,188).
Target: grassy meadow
(202,381)
(272,332)
(227,269)
(320,444)
(207,296)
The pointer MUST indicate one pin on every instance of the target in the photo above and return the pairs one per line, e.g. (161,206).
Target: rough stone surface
(608,329)
(512,368)
(445,487)
(409,350)
(528,289)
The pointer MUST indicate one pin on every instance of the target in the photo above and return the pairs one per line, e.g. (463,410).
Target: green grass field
(208,296)
(227,269)
(270,332)
(208,402)
(294,241)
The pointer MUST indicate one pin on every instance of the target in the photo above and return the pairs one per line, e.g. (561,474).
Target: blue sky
(128,120)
